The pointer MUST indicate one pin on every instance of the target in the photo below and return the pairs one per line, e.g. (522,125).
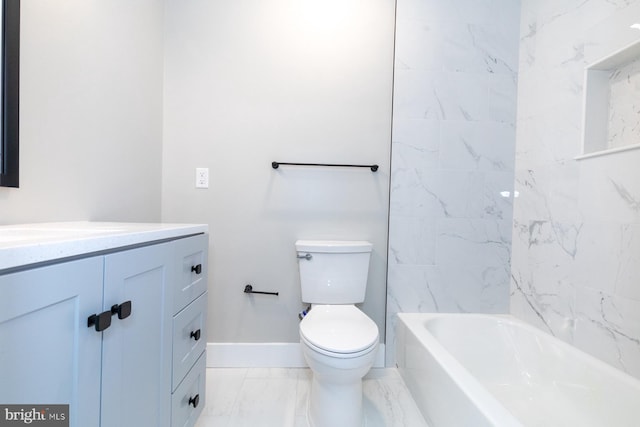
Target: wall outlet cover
(202,177)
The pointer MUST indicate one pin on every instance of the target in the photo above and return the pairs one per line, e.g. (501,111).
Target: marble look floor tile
(302,395)
(273,372)
(223,388)
(381,374)
(278,397)
(387,403)
(269,402)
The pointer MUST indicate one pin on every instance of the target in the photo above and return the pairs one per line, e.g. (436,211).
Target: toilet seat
(335,355)
(339,330)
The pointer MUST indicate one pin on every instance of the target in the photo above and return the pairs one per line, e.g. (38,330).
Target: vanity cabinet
(48,355)
(136,362)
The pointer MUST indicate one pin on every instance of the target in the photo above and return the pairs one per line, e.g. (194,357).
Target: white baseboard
(264,355)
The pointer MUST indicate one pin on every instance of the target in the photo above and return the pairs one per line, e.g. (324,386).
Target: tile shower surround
(576,237)
(624,121)
(452,157)
(575,254)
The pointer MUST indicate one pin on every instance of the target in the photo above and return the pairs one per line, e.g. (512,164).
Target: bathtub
(494,370)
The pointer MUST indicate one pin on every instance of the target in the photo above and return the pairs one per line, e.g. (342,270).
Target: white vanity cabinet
(123,366)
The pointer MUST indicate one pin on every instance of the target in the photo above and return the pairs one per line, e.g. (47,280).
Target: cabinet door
(136,374)
(48,355)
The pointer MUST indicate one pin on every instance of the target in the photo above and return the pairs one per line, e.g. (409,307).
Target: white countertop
(24,244)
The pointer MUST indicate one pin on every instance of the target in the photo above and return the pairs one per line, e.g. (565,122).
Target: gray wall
(250,82)
(90,112)
(576,245)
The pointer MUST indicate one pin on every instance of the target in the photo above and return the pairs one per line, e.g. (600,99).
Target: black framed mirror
(10,103)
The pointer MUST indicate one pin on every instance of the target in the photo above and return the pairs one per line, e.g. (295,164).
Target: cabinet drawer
(189,337)
(189,399)
(191,278)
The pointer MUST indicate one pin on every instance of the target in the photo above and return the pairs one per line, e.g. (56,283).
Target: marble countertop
(24,244)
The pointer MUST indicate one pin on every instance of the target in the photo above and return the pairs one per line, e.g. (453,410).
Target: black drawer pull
(101,321)
(195,335)
(197,268)
(194,400)
(122,310)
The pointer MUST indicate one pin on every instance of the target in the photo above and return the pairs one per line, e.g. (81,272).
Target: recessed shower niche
(611,120)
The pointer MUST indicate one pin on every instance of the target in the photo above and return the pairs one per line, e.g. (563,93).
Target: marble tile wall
(624,92)
(453,147)
(576,237)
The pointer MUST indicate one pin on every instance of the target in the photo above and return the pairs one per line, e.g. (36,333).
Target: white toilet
(339,342)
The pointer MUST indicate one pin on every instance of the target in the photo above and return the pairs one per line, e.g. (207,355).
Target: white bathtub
(491,370)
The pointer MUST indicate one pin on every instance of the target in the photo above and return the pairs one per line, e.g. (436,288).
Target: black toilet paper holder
(248,289)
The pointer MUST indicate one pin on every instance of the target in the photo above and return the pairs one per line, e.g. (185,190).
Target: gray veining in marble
(624,105)
(576,236)
(453,148)
(465,221)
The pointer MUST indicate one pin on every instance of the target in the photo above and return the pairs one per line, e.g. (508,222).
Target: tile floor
(275,397)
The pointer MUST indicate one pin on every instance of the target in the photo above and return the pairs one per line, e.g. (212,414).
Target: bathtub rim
(509,318)
(478,394)
(494,411)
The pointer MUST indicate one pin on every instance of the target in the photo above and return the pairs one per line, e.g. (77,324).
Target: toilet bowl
(339,343)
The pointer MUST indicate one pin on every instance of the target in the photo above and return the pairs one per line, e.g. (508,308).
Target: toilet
(339,342)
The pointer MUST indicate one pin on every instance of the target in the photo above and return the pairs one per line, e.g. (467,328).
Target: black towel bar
(276,165)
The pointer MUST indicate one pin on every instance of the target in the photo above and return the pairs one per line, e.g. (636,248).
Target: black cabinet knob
(195,335)
(122,310)
(101,321)
(197,268)
(194,400)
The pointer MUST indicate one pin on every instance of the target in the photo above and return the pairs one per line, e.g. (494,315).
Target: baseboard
(264,355)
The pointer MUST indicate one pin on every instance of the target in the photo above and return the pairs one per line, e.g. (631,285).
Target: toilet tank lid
(333,246)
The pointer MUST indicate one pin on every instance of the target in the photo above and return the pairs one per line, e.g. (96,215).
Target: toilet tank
(333,272)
